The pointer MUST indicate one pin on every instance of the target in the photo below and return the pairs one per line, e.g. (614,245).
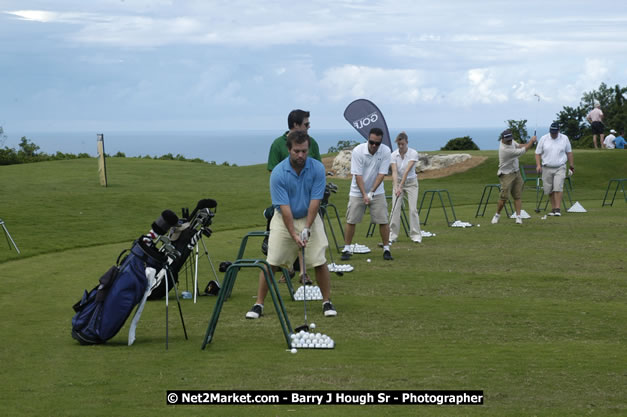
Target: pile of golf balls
(426,234)
(311,292)
(340,268)
(307,340)
(459,223)
(357,248)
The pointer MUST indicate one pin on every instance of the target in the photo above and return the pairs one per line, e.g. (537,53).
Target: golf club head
(537,210)
(304,327)
(339,274)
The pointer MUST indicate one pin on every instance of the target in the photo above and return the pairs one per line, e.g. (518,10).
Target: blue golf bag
(101,312)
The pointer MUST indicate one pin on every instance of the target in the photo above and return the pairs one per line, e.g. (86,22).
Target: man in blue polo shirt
(297,185)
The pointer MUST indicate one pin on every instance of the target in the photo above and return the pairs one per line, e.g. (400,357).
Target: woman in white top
(403,165)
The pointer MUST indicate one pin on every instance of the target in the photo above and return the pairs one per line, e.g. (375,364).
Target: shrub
(461,144)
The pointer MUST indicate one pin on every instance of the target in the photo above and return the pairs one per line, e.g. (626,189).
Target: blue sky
(202,65)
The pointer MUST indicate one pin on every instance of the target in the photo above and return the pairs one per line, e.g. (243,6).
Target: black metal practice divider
(229,283)
(324,212)
(439,193)
(620,182)
(489,188)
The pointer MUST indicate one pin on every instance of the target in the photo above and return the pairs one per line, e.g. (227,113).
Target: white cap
(612,131)
(596,103)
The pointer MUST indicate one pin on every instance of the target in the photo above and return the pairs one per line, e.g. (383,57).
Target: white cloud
(397,85)
(481,88)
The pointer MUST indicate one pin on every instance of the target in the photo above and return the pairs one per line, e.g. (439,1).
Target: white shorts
(553,179)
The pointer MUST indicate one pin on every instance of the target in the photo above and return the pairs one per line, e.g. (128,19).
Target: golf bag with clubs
(183,238)
(101,312)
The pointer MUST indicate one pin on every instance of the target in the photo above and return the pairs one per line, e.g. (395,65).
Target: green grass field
(533,315)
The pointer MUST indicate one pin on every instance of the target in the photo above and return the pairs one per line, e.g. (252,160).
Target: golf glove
(370,195)
(304,235)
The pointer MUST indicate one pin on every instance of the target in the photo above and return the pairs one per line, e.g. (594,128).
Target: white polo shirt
(553,151)
(401,163)
(609,141)
(369,166)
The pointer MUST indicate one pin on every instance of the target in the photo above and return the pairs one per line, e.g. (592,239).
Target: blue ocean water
(241,147)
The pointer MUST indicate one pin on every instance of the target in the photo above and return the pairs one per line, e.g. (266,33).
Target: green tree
(519,130)
(342,145)
(28,150)
(571,121)
(461,144)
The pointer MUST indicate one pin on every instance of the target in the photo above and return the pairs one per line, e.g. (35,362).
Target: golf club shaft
(304,270)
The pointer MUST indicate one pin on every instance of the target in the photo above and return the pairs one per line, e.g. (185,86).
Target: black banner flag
(363,115)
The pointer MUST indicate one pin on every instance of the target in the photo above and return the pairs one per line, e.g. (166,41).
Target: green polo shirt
(278,151)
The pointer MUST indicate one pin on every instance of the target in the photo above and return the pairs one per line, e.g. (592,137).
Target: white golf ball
(312,326)
(368,260)
(294,350)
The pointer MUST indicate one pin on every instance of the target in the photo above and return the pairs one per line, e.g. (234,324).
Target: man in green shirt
(296,120)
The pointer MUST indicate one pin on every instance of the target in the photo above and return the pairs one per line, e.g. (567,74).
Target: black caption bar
(176,397)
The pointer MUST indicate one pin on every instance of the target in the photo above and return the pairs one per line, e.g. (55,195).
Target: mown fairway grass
(534,315)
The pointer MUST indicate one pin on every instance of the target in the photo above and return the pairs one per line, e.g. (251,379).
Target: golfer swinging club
(509,173)
(296,186)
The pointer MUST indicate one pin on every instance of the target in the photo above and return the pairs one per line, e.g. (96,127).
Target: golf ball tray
(340,268)
(311,292)
(426,234)
(308,340)
(459,223)
(357,248)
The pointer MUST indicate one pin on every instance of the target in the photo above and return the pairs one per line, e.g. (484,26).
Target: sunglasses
(372,142)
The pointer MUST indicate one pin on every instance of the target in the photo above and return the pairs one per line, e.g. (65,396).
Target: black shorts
(597,128)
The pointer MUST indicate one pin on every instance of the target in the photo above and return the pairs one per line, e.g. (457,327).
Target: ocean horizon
(241,147)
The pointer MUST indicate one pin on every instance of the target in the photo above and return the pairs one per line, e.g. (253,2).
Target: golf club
(305,326)
(537,209)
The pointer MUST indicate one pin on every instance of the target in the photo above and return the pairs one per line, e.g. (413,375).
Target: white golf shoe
(496,218)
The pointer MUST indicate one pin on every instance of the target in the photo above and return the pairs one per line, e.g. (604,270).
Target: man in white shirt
(608,143)
(551,155)
(370,163)
(595,118)
(509,173)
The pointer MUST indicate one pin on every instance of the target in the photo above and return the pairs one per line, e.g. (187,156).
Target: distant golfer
(370,162)
(551,155)
(595,117)
(608,143)
(297,185)
(619,141)
(405,180)
(509,173)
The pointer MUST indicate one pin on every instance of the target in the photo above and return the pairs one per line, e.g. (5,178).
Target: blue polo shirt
(287,188)
(620,142)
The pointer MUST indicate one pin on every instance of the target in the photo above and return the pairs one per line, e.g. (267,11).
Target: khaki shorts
(511,183)
(357,208)
(553,179)
(283,250)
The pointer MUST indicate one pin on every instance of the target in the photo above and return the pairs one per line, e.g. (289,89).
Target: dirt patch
(434,173)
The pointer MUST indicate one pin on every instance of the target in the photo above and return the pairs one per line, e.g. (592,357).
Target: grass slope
(533,315)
